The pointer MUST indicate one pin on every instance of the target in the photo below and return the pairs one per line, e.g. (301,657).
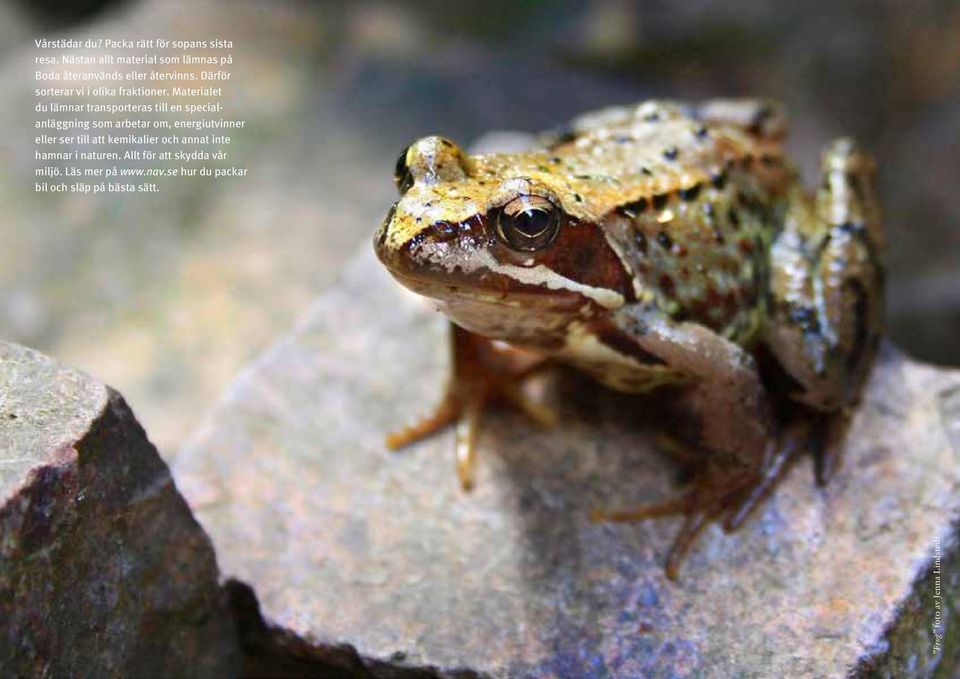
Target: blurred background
(166,296)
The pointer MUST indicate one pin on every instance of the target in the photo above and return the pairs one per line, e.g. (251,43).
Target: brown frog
(659,244)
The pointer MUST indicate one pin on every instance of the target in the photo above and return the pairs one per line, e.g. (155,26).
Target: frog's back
(689,199)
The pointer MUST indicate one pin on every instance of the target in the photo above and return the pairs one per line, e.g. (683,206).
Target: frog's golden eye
(528,223)
(402,176)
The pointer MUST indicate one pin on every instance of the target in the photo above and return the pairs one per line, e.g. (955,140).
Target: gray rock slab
(103,570)
(380,561)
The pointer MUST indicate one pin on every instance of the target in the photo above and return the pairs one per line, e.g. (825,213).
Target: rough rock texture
(103,570)
(366,557)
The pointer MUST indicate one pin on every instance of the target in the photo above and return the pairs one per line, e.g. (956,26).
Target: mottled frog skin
(659,244)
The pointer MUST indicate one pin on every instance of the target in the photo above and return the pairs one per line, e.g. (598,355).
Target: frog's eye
(402,176)
(528,223)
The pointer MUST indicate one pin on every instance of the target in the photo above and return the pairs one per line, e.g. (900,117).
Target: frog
(661,245)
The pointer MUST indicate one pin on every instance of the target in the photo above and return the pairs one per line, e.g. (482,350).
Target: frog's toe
(445,414)
(465,413)
(542,415)
(467,398)
(468,426)
(693,525)
(796,438)
(827,445)
(714,494)
(697,510)
(756,492)
(676,504)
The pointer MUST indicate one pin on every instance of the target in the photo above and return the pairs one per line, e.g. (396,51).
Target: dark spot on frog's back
(855,229)
(633,208)
(641,241)
(861,338)
(805,317)
(690,193)
(667,286)
(733,217)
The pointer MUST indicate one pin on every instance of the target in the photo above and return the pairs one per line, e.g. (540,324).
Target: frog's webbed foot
(698,503)
(483,374)
(719,493)
(704,499)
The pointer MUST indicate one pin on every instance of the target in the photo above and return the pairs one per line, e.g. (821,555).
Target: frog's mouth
(529,317)
(497,291)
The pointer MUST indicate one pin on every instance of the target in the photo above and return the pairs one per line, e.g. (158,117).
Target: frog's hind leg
(735,431)
(826,292)
(482,374)
(732,495)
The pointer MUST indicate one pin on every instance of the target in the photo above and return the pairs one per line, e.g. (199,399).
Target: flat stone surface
(348,545)
(103,570)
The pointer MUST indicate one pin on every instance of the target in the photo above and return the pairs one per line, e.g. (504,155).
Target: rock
(103,570)
(378,561)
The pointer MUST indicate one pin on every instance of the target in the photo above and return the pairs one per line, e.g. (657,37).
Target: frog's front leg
(826,287)
(742,459)
(481,374)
